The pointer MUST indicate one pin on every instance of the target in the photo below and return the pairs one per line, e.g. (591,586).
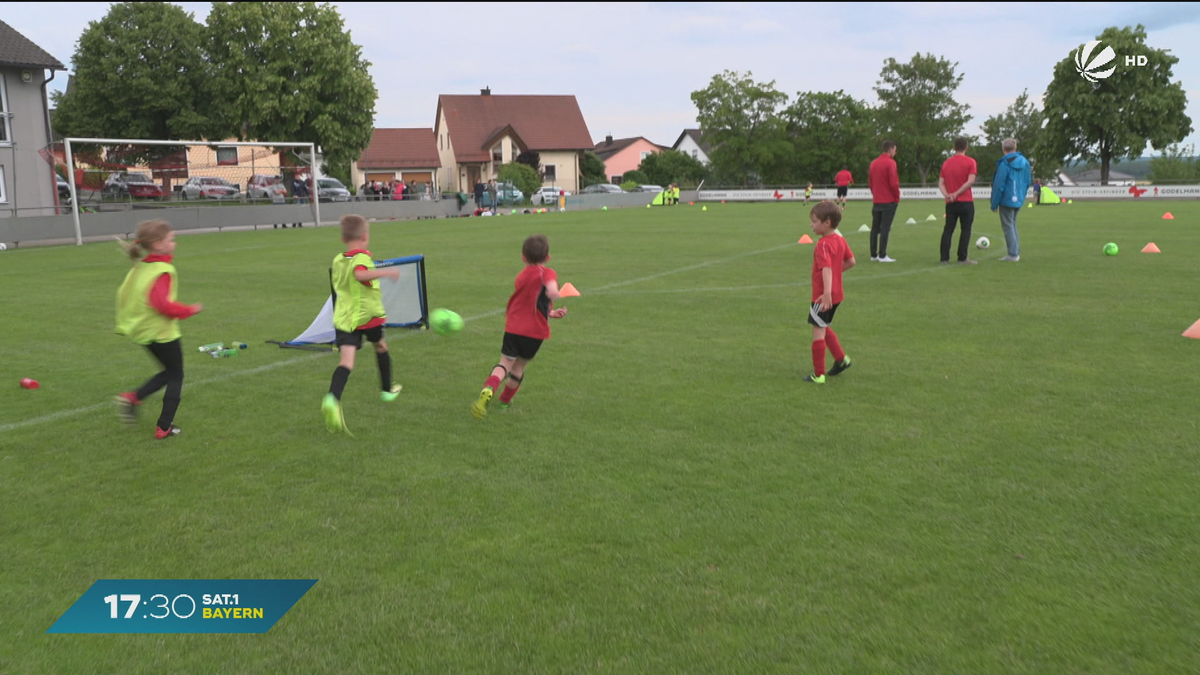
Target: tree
(532,159)
(739,118)
(672,166)
(290,72)
(1021,121)
(1115,117)
(917,110)
(827,131)
(592,169)
(526,179)
(140,72)
(636,177)
(1177,163)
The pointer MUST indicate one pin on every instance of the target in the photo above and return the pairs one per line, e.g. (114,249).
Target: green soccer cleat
(389,396)
(331,408)
(814,378)
(479,407)
(504,406)
(840,366)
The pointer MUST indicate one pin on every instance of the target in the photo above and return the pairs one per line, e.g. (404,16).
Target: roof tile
(18,50)
(401,149)
(542,122)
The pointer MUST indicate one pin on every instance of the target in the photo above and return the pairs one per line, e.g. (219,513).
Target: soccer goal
(113,174)
(404,302)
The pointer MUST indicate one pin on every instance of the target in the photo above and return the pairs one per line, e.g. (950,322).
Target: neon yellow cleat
(479,407)
(389,396)
(331,408)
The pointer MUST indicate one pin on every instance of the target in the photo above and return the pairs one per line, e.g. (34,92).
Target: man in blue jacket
(1008,194)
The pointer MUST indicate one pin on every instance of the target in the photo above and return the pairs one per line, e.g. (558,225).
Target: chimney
(485,92)
(608,139)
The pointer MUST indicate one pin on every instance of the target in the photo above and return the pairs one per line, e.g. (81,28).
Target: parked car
(648,188)
(209,187)
(332,190)
(265,186)
(602,189)
(125,184)
(64,188)
(507,194)
(547,195)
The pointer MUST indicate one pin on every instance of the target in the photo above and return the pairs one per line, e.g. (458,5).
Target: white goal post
(70,161)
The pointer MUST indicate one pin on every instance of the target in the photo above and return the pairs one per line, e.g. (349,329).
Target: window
(227,156)
(549,172)
(695,154)
(498,153)
(615,180)
(645,155)
(5,126)
(3,194)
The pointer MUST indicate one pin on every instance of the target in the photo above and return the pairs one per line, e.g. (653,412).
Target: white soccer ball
(561,210)
(3,246)
(982,243)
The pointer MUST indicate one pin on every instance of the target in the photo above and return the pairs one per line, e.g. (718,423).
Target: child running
(831,257)
(148,314)
(357,313)
(525,324)
(808,193)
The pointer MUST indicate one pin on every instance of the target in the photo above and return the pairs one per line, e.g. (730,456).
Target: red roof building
(408,155)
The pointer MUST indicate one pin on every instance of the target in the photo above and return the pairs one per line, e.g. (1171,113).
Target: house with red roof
(475,135)
(408,155)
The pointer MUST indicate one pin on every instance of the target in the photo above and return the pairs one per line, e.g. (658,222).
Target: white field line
(12,426)
(805,284)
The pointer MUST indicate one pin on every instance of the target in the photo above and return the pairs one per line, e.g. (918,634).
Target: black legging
(170,355)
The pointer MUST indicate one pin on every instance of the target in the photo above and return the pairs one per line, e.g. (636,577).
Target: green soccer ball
(1111,249)
(445,322)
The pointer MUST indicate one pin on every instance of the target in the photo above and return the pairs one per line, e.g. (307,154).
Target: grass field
(1005,482)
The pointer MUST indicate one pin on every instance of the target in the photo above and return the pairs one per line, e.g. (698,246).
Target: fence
(980,193)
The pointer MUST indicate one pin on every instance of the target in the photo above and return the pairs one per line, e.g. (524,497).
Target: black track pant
(170,355)
(958,212)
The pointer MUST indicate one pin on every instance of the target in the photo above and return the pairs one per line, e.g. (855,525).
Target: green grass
(1005,482)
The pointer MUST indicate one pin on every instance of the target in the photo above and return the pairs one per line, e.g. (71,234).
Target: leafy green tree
(629,185)
(1177,163)
(1117,116)
(521,175)
(290,72)
(635,176)
(828,131)
(917,110)
(592,169)
(140,72)
(740,120)
(672,166)
(1021,121)
(532,159)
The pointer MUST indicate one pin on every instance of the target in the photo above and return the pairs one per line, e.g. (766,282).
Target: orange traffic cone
(1168,216)
(805,240)
(568,290)
(1193,332)
(1151,248)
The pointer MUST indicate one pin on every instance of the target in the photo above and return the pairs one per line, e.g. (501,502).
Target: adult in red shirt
(958,175)
(844,180)
(884,181)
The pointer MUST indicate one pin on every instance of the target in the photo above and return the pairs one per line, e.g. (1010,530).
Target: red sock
(131,397)
(509,392)
(492,383)
(818,351)
(835,348)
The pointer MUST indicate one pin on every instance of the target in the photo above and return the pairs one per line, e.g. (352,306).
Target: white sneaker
(1011,258)
(886,259)
(874,259)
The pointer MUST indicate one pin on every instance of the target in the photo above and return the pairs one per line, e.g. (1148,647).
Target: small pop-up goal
(404,301)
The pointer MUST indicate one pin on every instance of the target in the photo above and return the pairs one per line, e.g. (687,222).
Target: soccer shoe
(967,262)
(479,407)
(839,366)
(503,405)
(874,258)
(886,259)
(126,409)
(814,378)
(331,408)
(1011,258)
(389,396)
(160,434)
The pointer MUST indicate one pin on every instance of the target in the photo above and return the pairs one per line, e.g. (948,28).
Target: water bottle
(237,345)
(224,353)
(211,347)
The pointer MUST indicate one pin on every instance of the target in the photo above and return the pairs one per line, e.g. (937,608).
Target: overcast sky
(633,66)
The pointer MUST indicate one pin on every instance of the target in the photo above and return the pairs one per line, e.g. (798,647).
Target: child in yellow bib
(357,313)
(148,314)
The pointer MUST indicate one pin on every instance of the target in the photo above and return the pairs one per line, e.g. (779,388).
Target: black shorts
(355,338)
(843,190)
(818,318)
(520,347)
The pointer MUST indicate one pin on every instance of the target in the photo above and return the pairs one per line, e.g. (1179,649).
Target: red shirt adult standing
(958,175)
(884,181)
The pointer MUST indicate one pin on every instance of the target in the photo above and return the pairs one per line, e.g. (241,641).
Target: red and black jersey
(529,306)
